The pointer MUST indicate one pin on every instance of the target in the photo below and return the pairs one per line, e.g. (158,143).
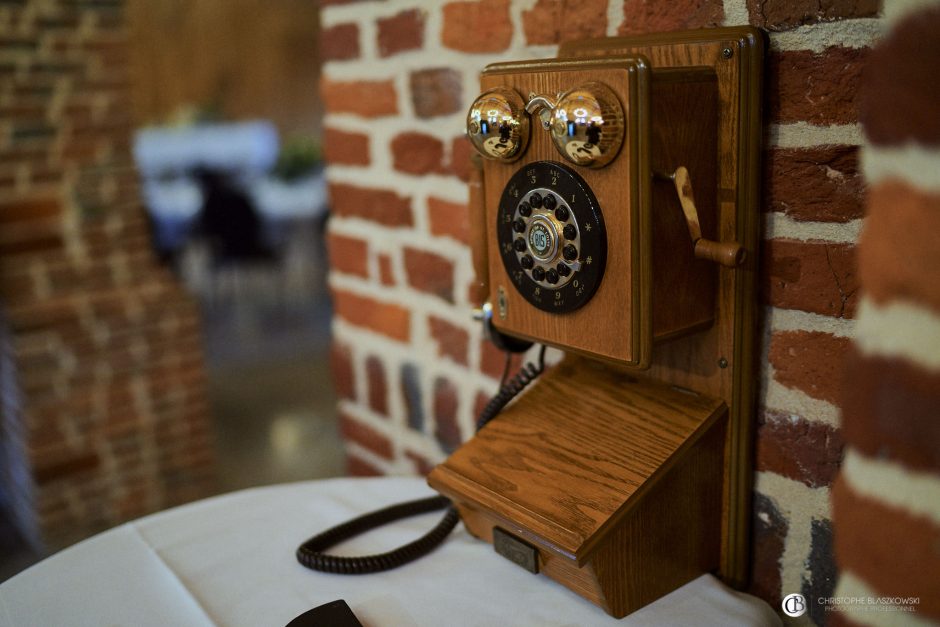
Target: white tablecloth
(229,560)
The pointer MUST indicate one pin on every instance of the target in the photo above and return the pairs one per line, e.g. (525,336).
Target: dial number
(557,241)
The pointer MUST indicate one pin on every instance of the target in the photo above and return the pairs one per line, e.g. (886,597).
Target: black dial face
(552,238)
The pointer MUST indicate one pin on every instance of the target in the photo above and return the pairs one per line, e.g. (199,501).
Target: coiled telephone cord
(510,390)
(311,554)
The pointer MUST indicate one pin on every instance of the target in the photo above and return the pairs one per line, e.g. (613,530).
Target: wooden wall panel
(253,58)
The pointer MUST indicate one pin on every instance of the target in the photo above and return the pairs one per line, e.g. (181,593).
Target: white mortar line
(360,11)
(419,209)
(420,307)
(377,234)
(778,397)
(795,320)
(433,29)
(851,585)
(357,363)
(389,427)
(388,349)
(517,21)
(397,411)
(899,329)
(898,10)
(399,237)
(364,414)
(615,16)
(399,64)
(805,135)
(800,505)
(911,163)
(368,37)
(736,13)
(857,33)
(373,268)
(385,466)
(775,396)
(915,492)
(381,176)
(780,225)
(349,122)
(433,48)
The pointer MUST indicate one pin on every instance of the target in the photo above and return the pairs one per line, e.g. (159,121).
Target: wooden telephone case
(624,472)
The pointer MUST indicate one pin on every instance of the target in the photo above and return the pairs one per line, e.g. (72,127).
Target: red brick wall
(112,419)
(411,366)
(886,500)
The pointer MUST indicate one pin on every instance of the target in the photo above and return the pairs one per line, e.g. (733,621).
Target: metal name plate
(516,550)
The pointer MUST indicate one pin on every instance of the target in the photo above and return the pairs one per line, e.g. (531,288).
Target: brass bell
(497,124)
(588,125)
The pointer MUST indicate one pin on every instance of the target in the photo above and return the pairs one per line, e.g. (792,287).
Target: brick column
(105,344)
(396,100)
(887,498)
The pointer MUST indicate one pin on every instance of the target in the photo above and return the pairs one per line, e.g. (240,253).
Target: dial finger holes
(546,225)
(553,237)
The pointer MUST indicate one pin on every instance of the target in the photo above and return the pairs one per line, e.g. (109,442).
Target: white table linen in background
(229,560)
(246,147)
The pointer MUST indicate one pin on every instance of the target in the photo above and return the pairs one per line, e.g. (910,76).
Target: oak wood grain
(693,361)
(620,492)
(581,580)
(684,119)
(479,290)
(672,537)
(620,307)
(249,59)
(566,460)
(621,481)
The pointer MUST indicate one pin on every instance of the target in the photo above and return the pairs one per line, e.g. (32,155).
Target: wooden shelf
(571,466)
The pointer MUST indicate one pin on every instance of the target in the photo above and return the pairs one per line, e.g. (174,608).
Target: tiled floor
(271,396)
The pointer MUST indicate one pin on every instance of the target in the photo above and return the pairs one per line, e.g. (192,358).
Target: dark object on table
(332,614)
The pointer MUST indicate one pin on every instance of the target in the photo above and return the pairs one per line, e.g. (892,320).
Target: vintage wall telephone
(614,217)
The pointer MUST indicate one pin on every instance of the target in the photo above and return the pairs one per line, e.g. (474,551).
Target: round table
(229,560)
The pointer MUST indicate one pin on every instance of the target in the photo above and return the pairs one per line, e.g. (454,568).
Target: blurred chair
(235,235)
